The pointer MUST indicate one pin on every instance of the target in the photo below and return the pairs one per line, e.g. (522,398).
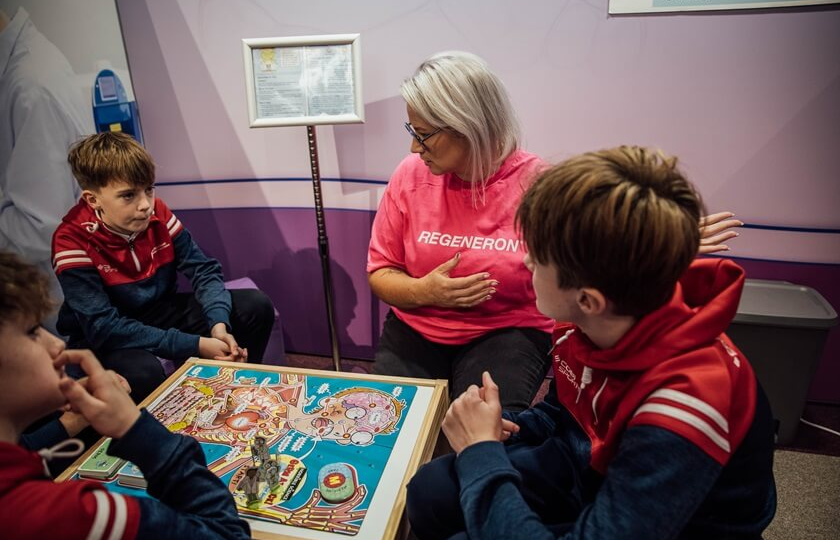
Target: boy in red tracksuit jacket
(117,255)
(655,425)
(190,501)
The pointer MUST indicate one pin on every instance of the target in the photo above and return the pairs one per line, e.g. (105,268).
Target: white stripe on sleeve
(687,418)
(68,253)
(63,262)
(120,513)
(100,519)
(175,228)
(695,403)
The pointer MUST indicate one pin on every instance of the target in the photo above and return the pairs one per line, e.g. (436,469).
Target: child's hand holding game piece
(102,400)
(475,416)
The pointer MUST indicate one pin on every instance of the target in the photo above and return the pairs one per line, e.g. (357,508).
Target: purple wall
(278,249)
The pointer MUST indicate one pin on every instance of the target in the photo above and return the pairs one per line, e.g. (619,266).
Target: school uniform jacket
(190,501)
(668,429)
(110,280)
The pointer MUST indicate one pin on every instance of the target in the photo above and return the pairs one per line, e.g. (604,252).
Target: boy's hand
(715,229)
(73,422)
(101,400)
(471,419)
(508,428)
(216,349)
(235,353)
(117,377)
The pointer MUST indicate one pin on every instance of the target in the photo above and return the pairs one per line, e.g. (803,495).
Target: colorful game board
(306,454)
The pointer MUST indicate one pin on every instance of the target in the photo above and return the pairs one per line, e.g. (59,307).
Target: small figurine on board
(271,474)
(259,450)
(251,485)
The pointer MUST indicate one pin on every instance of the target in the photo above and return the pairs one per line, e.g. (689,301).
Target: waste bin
(781,327)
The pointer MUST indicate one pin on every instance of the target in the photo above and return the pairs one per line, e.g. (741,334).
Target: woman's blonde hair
(457,91)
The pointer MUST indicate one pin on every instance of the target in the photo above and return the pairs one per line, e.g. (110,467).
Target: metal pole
(323,243)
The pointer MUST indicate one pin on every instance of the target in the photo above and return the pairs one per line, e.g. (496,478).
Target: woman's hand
(438,289)
(715,229)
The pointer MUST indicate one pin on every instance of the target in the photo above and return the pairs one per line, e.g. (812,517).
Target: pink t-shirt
(424,220)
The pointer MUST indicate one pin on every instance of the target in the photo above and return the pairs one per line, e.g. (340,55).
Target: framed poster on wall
(304,80)
(653,6)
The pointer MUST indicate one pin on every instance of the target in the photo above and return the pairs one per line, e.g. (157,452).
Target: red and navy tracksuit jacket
(110,279)
(675,369)
(667,434)
(190,501)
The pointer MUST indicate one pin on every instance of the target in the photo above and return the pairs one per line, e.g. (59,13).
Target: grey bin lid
(785,304)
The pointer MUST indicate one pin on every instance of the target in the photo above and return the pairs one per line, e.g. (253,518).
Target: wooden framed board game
(306,454)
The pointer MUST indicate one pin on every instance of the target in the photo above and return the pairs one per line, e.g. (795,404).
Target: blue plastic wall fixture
(111,109)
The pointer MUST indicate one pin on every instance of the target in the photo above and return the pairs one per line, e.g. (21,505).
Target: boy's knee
(256,305)
(141,369)
(146,381)
(432,499)
(265,308)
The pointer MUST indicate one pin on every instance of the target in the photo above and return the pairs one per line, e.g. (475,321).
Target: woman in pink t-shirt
(444,250)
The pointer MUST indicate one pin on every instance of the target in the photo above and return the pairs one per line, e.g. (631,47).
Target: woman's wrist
(415,292)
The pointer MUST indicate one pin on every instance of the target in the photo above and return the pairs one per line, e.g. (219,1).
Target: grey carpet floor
(808,487)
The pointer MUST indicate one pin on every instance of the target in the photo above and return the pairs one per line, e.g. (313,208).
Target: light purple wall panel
(749,101)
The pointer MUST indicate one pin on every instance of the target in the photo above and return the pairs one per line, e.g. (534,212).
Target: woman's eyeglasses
(418,138)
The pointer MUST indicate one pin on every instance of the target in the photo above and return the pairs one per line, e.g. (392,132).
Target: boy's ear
(91,198)
(591,301)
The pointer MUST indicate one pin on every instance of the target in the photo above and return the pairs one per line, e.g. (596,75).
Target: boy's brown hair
(624,221)
(25,291)
(100,159)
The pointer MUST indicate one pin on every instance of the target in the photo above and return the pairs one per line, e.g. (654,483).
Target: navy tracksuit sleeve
(652,488)
(541,421)
(190,501)
(105,329)
(49,434)
(206,277)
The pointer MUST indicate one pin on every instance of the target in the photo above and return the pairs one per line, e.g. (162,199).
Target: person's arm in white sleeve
(37,185)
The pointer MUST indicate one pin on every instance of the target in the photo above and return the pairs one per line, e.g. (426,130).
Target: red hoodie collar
(703,304)
(19,464)
(82,215)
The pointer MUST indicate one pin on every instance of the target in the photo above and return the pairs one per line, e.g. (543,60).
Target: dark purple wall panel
(277,248)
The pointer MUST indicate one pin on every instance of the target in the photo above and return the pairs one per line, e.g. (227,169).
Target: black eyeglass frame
(418,138)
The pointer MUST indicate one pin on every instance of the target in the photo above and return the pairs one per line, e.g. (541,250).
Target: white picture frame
(303,80)
(622,7)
